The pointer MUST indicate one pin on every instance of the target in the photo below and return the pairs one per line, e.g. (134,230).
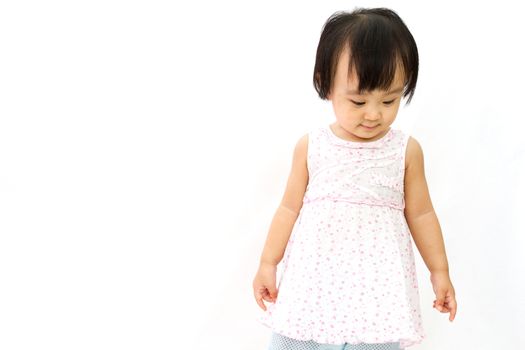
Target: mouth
(369,127)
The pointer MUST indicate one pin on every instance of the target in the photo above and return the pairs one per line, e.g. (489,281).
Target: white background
(145,145)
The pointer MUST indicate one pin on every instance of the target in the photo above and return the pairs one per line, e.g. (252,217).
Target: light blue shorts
(281,342)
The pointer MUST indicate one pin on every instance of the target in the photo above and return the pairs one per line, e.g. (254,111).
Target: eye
(362,103)
(357,103)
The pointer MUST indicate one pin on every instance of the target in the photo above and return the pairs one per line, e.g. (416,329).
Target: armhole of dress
(308,154)
(406,137)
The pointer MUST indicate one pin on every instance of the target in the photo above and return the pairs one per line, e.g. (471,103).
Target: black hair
(378,40)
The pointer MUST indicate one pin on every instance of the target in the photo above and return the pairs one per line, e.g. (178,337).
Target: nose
(373,114)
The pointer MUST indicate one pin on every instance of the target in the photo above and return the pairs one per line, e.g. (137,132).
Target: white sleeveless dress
(348,275)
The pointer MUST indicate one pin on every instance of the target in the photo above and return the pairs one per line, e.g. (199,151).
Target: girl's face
(355,112)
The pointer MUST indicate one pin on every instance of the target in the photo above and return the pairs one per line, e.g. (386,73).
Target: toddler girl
(355,196)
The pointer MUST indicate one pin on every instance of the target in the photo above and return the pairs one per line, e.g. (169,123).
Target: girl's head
(366,61)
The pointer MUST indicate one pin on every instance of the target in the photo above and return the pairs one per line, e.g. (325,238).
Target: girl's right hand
(264,284)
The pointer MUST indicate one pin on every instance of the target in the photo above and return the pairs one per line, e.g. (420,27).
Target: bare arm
(426,231)
(289,208)
(419,212)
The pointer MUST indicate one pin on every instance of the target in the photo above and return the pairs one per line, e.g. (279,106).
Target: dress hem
(404,342)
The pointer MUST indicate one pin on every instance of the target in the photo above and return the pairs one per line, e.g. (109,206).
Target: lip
(369,127)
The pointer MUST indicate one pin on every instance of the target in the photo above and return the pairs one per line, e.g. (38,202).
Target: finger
(453,311)
(447,306)
(258,294)
(260,302)
(440,300)
(437,306)
(273,292)
(266,296)
(452,315)
(441,308)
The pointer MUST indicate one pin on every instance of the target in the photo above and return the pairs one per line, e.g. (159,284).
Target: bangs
(374,57)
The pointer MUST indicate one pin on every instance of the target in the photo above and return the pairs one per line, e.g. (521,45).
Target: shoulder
(303,140)
(414,153)
(301,146)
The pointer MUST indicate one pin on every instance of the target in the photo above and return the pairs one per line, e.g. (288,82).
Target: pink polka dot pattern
(348,273)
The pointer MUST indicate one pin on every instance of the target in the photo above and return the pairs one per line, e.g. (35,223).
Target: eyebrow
(355,92)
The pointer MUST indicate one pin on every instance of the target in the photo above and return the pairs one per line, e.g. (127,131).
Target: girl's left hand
(445,293)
